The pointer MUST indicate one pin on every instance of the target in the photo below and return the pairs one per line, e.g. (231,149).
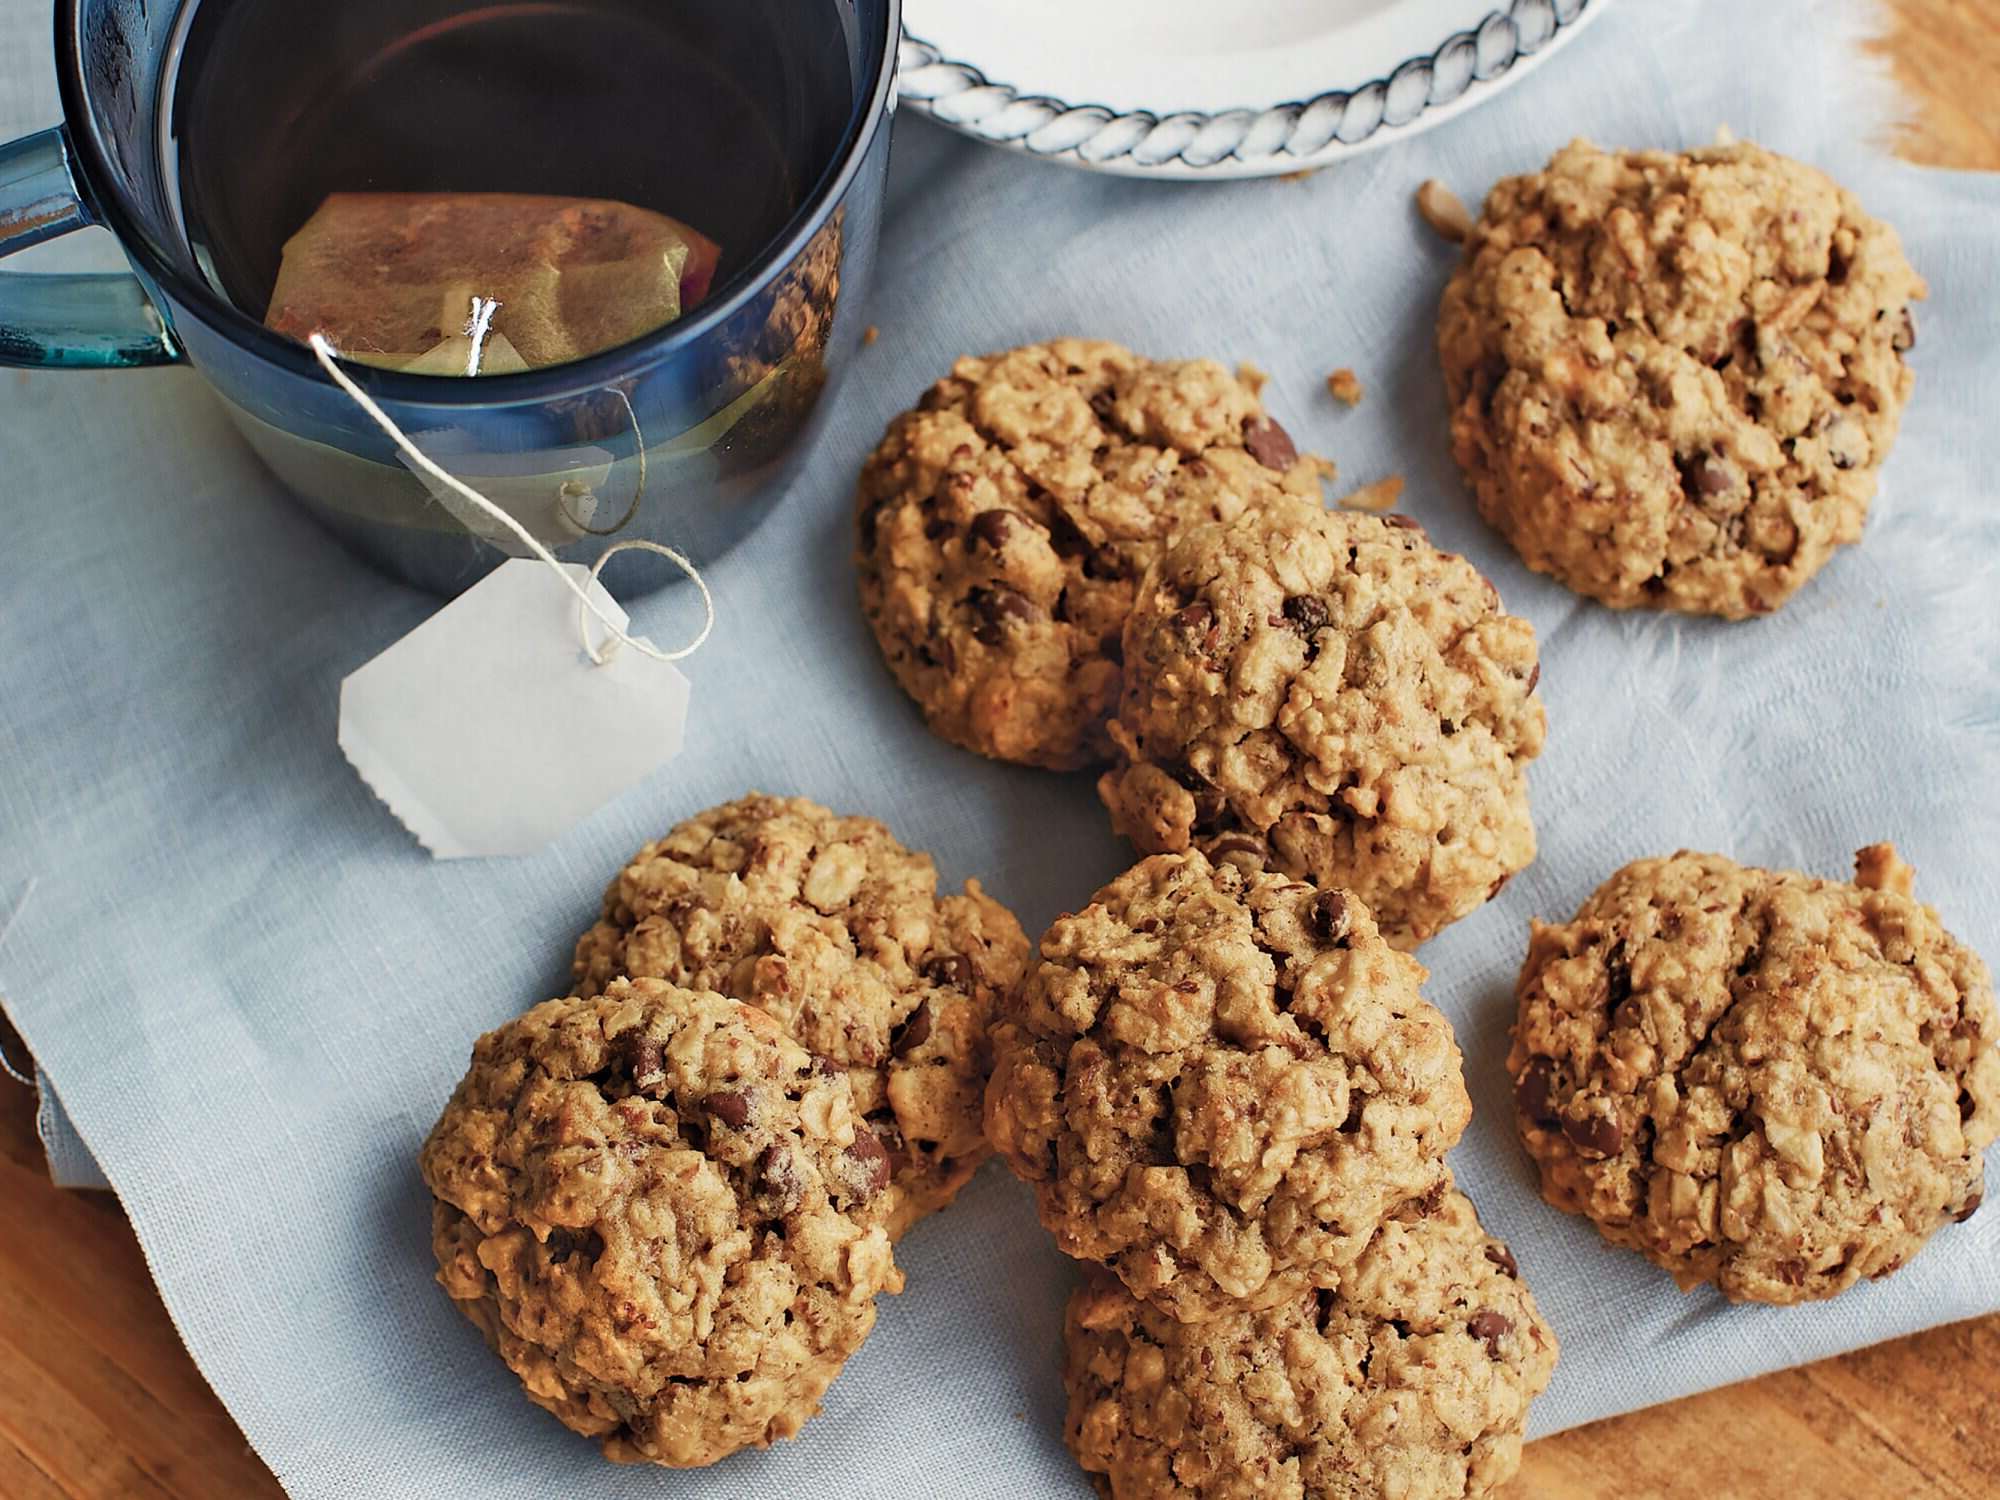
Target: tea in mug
(501,147)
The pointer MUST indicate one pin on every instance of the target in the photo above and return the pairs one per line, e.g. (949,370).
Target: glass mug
(715,411)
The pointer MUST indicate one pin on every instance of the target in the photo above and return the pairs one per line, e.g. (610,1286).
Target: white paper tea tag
(488,730)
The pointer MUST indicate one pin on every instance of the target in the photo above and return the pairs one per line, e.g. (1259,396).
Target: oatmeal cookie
(838,932)
(1755,1078)
(1329,694)
(651,1204)
(1412,1378)
(1004,525)
(1219,1083)
(1673,377)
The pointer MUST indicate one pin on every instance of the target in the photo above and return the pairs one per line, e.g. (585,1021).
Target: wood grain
(99,1401)
(1946,57)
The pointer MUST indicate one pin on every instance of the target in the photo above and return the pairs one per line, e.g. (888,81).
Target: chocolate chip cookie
(838,932)
(1410,1378)
(1674,377)
(1219,1083)
(1755,1078)
(1328,694)
(652,1205)
(1005,523)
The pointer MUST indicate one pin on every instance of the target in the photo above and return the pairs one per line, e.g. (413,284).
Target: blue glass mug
(716,411)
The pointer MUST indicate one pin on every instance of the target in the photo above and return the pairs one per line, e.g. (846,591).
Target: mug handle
(95,322)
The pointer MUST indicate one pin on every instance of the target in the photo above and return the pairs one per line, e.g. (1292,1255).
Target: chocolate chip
(1403,522)
(1906,334)
(1269,444)
(1066,537)
(1209,803)
(732,1108)
(894,1147)
(1502,1257)
(939,652)
(993,527)
(1705,474)
(643,1058)
(1791,1272)
(1595,1135)
(1534,1092)
(937,529)
(1534,677)
(1967,1106)
(825,1066)
(778,1171)
(1837,266)
(1236,843)
(1971,1208)
(1490,1326)
(1357,1105)
(996,606)
(953,970)
(915,1031)
(1330,919)
(1196,618)
(563,1243)
(871,1163)
(1307,612)
(1617,978)
(1498,886)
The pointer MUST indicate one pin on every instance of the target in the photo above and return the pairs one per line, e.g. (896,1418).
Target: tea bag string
(327,356)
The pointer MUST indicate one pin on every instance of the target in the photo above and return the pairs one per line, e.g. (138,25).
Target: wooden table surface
(99,1401)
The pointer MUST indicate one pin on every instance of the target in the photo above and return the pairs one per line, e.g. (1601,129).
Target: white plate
(1216,88)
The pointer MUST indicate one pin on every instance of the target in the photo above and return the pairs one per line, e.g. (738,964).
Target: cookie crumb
(1253,377)
(1381,495)
(870,334)
(1880,868)
(1724,136)
(1443,210)
(1299,176)
(1344,386)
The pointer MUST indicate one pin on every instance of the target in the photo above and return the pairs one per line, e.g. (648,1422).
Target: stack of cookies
(1221,1076)
(669,1199)
(1230,1094)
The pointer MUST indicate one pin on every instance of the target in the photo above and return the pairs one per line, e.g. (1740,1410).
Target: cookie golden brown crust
(1004,524)
(837,931)
(1756,1078)
(1219,1083)
(1329,695)
(1673,377)
(653,1205)
(1412,1378)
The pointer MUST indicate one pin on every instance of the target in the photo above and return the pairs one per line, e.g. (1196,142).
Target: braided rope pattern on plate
(1281,137)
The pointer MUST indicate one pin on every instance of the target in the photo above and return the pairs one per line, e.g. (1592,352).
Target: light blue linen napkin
(253,991)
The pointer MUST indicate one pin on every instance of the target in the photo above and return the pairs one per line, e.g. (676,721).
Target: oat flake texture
(1674,376)
(1756,1078)
(1004,526)
(1220,1083)
(650,1205)
(1331,695)
(835,930)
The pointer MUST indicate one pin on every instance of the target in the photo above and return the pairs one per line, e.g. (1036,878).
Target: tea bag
(389,277)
